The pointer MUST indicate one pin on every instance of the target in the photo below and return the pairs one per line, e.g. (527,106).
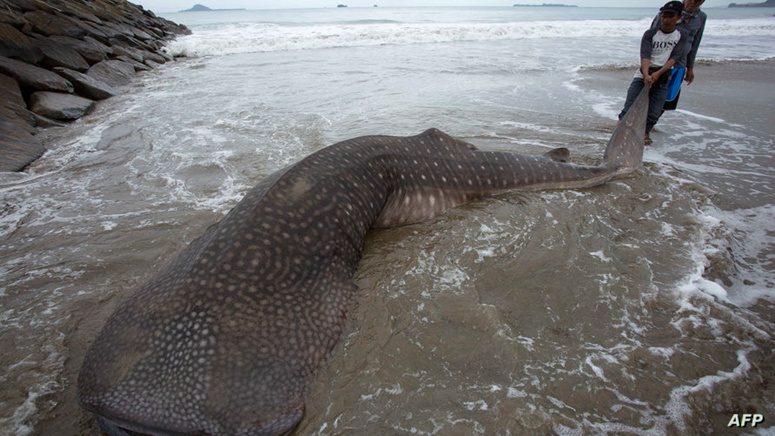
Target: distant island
(552,5)
(341,6)
(767,4)
(203,8)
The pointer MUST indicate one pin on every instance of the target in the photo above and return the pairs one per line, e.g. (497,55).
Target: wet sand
(740,92)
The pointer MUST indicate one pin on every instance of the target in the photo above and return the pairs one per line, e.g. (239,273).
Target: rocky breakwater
(58,57)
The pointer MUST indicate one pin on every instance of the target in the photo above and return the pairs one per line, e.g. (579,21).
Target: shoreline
(57,62)
(743,86)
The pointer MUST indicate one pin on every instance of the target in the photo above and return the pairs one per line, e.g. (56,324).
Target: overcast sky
(177,5)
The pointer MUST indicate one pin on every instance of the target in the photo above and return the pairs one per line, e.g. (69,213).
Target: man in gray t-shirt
(693,21)
(660,49)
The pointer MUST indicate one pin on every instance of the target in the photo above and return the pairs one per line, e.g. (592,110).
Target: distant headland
(547,5)
(202,8)
(767,4)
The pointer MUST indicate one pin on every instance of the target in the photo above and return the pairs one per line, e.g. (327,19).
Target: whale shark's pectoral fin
(558,155)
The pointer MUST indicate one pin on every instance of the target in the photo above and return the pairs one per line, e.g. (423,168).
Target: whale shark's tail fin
(625,148)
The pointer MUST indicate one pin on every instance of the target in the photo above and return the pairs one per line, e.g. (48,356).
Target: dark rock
(95,31)
(155,57)
(141,35)
(91,52)
(87,86)
(156,31)
(128,52)
(107,49)
(68,36)
(54,24)
(137,65)
(43,122)
(12,105)
(110,12)
(114,73)
(121,29)
(131,41)
(78,11)
(152,64)
(18,148)
(30,5)
(34,77)
(58,106)
(165,55)
(11,17)
(60,55)
(14,44)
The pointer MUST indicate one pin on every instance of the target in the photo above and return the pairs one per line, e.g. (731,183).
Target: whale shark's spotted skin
(226,340)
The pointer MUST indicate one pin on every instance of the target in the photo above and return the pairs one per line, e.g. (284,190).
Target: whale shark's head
(155,395)
(188,374)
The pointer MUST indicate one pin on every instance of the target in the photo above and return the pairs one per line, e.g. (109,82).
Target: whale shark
(228,337)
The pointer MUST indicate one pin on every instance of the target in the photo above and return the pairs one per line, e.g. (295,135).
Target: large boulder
(18,145)
(155,57)
(59,106)
(56,54)
(78,11)
(129,52)
(137,65)
(45,48)
(87,86)
(90,49)
(114,73)
(12,17)
(15,44)
(12,105)
(54,24)
(31,5)
(34,77)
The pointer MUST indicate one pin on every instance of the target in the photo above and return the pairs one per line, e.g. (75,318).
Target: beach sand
(721,136)
(738,92)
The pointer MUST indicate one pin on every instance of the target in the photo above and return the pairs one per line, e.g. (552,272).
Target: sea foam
(232,38)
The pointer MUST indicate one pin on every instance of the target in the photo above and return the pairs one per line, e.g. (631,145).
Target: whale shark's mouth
(113,429)
(283,426)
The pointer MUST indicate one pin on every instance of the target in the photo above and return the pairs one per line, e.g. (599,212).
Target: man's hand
(689,75)
(651,79)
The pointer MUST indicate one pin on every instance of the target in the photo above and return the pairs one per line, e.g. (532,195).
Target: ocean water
(644,306)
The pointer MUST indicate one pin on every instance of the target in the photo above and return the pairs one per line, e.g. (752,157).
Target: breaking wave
(233,38)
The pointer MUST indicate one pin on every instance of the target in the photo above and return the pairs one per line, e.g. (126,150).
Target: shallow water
(641,306)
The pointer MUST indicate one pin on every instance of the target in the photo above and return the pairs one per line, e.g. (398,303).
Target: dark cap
(673,6)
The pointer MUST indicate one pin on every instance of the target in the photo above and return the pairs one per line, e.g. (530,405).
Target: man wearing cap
(660,49)
(693,21)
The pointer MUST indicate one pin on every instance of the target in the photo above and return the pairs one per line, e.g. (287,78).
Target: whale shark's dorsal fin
(558,155)
(436,134)
(625,148)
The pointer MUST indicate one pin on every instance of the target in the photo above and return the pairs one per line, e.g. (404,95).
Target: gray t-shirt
(693,23)
(660,47)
